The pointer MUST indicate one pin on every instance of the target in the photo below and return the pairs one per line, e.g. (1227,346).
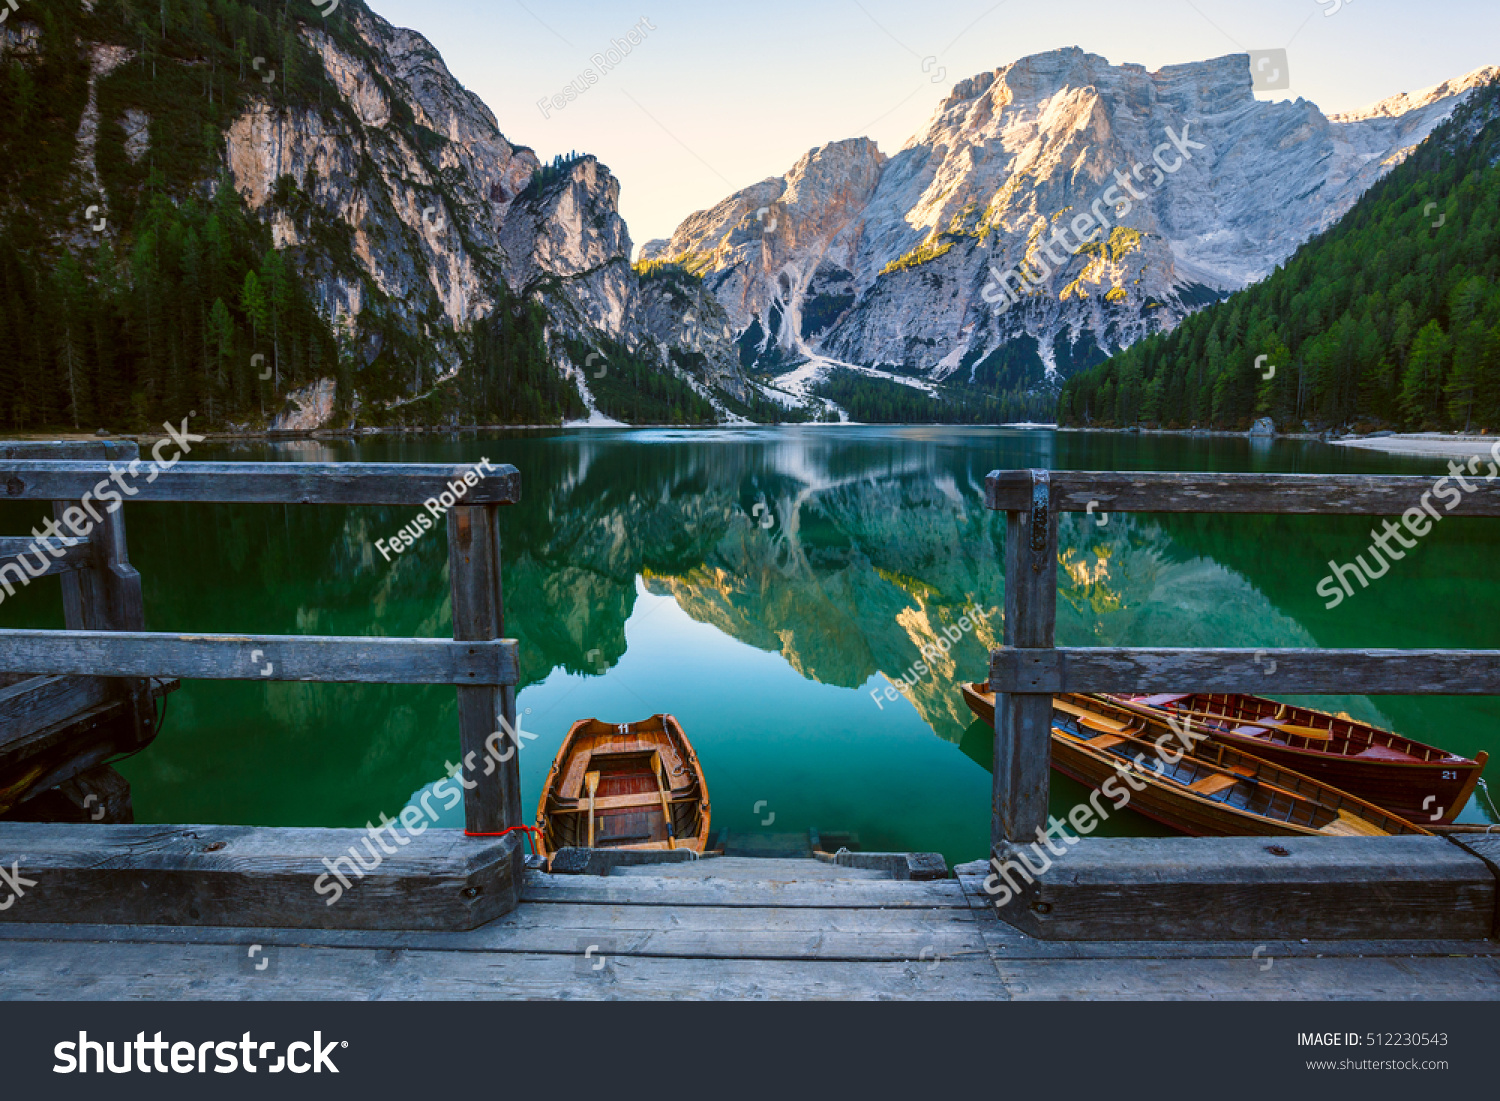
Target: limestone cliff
(897,262)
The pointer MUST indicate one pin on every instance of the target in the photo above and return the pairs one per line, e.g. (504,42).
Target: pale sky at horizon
(716,98)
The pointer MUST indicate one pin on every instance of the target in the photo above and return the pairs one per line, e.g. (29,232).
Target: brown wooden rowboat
(1209,790)
(625,786)
(1418,782)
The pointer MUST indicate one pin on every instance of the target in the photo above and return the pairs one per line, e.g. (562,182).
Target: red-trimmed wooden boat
(625,786)
(1419,782)
(1208,789)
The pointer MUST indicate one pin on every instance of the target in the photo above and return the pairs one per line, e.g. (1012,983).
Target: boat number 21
(1449,774)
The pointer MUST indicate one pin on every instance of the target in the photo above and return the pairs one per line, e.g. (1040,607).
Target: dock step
(248,877)
(753,868)
(1225,888)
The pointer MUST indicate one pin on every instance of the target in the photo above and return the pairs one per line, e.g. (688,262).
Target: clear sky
(721,95)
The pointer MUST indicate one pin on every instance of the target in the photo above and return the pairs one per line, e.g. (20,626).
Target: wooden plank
(43,757)
(1178,888)
(99,794)
(1485,847)
(68,971)
(1156,491)
(39,702)
(260,483)
(350,660)
(713,891)
(1415,979)
(1005,940)
(106,596)
(248,876)
(1023,722)
(54,555)
(702,932)
(71,450)
(486,716)
(1167,669)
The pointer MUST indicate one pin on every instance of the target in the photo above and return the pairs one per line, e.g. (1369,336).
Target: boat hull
(1246,796)
(1384,770)
(649,789)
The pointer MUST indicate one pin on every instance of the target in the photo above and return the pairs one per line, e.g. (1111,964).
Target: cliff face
(449,210)
(394,198)
(899,262)
(423,199)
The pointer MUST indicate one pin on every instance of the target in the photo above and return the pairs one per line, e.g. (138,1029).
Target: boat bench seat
(623,802)
(1104,741)
(1212,785)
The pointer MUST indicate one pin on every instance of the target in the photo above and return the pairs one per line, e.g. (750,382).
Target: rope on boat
(529,830)
(1485,789)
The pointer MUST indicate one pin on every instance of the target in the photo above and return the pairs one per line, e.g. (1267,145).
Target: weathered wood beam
(98,794)
(1234,888)
(249,876)
(1316,672)
(43,701)
(69,450)
(1023,722)
(107,596)
(353,660)
(259,483)
(74,555)
(1153,491)
(490,755)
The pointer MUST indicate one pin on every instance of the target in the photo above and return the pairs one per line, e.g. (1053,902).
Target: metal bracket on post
(1041,507)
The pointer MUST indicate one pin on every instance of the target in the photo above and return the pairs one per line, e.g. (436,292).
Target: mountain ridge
(913,239)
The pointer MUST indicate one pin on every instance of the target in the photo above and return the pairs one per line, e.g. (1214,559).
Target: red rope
(529,830)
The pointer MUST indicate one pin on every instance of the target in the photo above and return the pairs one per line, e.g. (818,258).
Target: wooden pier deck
(718,929)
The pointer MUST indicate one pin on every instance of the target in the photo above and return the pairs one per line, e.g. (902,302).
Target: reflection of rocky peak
(855,578)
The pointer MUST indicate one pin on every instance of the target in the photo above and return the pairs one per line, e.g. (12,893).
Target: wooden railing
(1029,667)
(104,617)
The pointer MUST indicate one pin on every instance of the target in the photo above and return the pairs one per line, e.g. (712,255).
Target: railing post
(106,594)
(1023,722)
(493,803)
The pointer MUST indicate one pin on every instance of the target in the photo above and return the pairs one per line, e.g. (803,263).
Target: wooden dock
(728,928)
(113,910)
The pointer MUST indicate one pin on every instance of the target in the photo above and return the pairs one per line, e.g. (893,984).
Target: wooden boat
(625,786)
(1418,782)
(1209,789)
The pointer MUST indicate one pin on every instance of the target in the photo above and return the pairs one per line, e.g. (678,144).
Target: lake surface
(762,585)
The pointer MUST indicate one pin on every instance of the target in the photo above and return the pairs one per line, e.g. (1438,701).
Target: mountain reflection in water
(766,586)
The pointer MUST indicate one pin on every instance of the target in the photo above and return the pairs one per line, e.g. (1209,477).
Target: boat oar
(1270,723)
(1089,718)
(1310,732)
(591,780)
(661,788)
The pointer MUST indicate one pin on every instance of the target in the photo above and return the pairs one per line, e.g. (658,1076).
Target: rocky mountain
(1389,319)
(400,244)
(1051,211)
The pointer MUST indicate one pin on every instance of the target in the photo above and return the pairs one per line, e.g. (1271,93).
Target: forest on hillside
(1390,318)
(181,302)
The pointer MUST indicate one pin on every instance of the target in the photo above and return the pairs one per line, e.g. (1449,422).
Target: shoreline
(328,435)
(1429,444)
(1424,444)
